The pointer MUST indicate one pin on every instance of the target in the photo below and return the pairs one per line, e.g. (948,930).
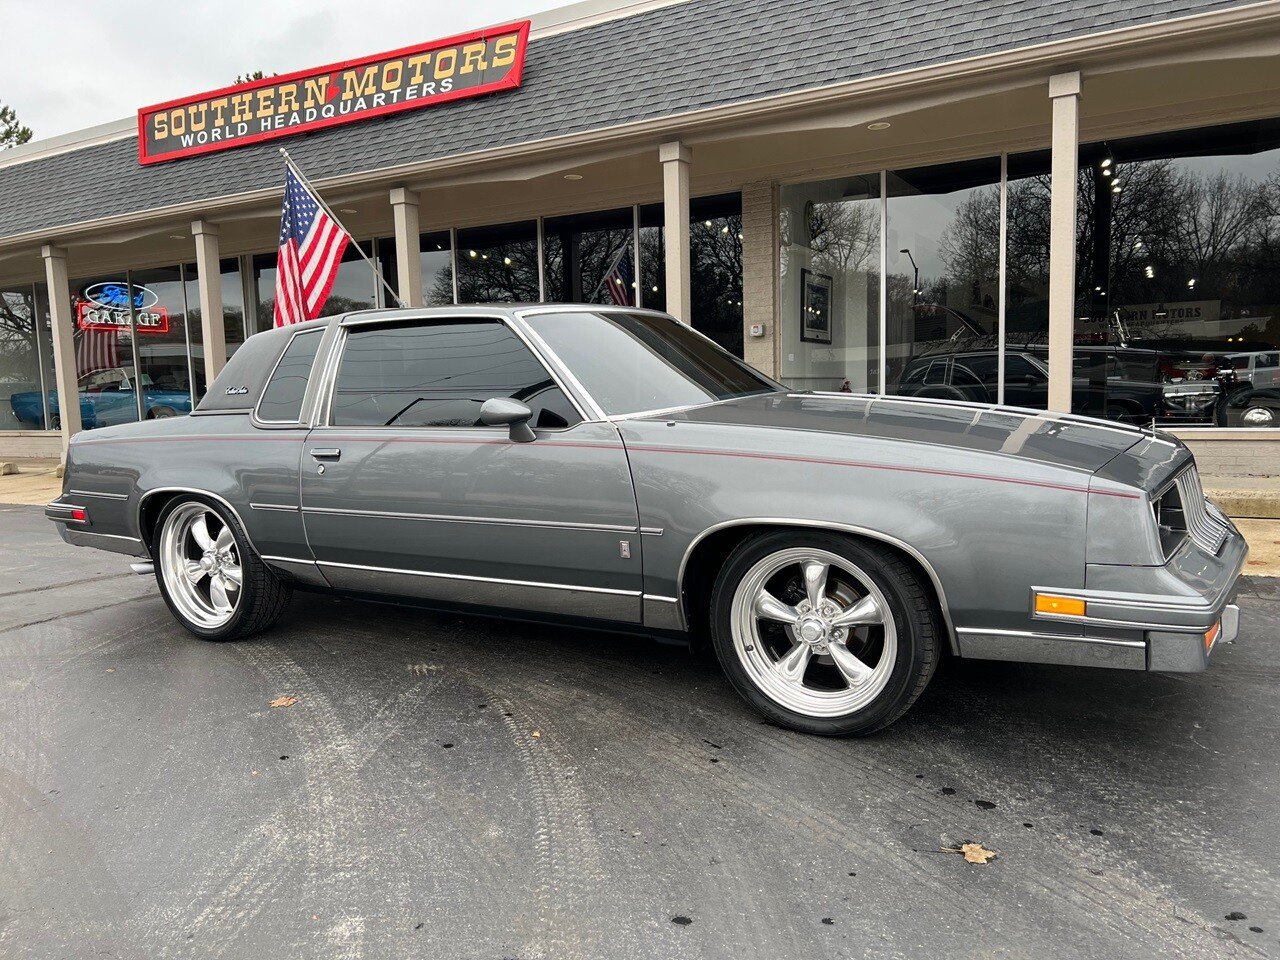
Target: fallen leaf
(972,852)
(285,701)
(537,734)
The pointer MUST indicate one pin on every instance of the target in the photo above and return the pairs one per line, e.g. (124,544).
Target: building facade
(1071,207)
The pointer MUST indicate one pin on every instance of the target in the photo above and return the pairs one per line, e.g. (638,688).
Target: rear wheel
(211,579)
(824,633)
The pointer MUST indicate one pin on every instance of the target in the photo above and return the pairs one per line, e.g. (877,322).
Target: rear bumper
(80,532)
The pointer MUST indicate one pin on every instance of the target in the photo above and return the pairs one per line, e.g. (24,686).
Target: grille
(1182,511)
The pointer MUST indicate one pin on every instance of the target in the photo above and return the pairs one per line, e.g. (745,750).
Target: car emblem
(237,391)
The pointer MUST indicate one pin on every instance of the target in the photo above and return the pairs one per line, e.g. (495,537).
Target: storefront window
(498,264)
(163,349)
(233,316)
(354,289)
(589,258)
(715,266)
(830,284)
(1026,374)
(943,280)
(26,374)
(436,262)
(1178,278)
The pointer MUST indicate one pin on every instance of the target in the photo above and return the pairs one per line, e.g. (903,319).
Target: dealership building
(1066,206)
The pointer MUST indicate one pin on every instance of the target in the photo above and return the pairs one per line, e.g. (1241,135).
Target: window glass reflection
(498,264)
(942,289)
(589,258)
(436,264)
(829,294)
(24,385)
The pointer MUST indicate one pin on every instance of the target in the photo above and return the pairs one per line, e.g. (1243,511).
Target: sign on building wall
(406,79)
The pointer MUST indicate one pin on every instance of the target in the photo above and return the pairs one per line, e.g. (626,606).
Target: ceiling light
(348,210)
(507,261)
(879,125)
(573,176)
(177,236)
(707,224)
(1106,162)
(474,253)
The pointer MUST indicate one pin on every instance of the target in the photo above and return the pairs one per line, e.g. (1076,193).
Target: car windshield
(633,362)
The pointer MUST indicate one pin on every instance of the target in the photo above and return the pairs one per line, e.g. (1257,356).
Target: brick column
(760,274)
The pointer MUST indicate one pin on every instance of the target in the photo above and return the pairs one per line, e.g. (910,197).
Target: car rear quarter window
(282,399)
(438,374)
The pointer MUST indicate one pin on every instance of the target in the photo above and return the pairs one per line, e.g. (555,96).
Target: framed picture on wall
(815,307)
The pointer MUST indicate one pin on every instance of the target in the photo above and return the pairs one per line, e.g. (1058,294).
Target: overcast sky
(70,64)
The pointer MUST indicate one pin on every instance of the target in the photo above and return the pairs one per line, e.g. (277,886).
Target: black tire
(910,603)
(161,412)
(264,595)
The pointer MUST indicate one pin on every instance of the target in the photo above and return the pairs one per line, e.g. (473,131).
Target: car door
(405,492)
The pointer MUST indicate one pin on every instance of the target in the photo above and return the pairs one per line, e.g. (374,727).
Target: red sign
(407,79)
(95,316)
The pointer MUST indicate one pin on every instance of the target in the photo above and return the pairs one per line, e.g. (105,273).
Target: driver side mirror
(500,412)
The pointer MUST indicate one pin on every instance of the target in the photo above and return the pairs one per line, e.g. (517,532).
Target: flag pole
(334,217)
(612,267)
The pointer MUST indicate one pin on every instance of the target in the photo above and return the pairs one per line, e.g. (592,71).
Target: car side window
(438,373)
(282,399)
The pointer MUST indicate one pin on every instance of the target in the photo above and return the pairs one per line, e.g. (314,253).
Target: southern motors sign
(105,306)
(406,79)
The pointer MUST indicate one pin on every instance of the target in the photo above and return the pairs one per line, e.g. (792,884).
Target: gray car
(611,466)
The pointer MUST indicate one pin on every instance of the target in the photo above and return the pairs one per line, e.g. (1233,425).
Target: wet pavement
(455,788)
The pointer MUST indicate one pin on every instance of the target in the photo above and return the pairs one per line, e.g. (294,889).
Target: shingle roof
(699,54)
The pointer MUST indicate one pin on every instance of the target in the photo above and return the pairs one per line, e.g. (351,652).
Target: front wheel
(212,581)
(824,633)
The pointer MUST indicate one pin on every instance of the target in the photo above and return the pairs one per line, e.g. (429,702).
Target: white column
(675,158)
(404,205)
(209,270)
(64,345)
(1064,90)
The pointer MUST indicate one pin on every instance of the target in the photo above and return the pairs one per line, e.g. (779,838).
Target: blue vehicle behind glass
(107,398)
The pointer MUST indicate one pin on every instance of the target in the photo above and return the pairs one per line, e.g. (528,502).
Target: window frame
(333,365)
(316,364)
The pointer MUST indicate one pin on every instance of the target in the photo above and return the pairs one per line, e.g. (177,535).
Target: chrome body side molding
(602,603)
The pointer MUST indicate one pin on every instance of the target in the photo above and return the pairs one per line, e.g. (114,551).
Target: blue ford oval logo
(114,295)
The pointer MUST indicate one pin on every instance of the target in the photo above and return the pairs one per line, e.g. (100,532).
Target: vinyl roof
(671,60)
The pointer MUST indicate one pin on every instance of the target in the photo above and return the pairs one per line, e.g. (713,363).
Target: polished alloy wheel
(1258,417)
(200,563)
(813,632)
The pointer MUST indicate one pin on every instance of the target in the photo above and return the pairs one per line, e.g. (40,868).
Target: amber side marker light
(1211,636)
(1062,606)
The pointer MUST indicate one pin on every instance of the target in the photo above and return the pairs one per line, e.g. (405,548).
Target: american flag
(311,248)
(97,350)
(618,280)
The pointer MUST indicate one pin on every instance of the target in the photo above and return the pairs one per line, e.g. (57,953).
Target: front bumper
(1167,619)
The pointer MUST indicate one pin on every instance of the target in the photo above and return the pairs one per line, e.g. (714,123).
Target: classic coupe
(611,466)
(107,398)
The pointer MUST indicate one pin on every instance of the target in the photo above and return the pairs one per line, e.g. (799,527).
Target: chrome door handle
(326,453)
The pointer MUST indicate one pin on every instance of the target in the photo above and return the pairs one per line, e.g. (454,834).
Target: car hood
(1060,440)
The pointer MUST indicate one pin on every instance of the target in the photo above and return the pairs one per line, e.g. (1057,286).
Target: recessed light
(573,176)
(879,125)
(348,210)
(177,236)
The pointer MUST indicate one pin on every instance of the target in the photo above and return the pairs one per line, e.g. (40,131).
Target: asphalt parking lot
(452,787)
